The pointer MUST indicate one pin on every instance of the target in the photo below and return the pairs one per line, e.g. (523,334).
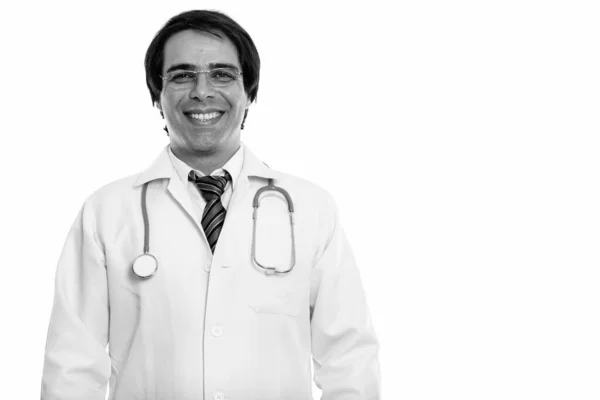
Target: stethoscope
(146,265)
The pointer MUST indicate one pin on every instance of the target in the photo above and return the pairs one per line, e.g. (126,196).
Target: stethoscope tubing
(145,215)
(269,270)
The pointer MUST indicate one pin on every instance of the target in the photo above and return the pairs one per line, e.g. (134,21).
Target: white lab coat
(233,333)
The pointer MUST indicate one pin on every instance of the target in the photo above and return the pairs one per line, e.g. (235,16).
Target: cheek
(236,98)
(168,104)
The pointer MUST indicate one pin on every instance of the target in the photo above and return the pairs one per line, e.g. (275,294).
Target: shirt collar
(233,166)
(163,168)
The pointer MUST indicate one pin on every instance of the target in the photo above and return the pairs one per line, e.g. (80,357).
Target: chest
(253,242)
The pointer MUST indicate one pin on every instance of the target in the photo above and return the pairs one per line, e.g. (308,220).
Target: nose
(202,89)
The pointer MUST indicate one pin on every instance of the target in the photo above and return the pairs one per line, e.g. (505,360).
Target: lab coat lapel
(179,193)
(163,168)
(251,168)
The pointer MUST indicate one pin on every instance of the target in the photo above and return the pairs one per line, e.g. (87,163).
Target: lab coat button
(216,331)
(219,396)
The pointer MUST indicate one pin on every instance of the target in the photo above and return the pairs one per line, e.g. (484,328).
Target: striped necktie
(211,188)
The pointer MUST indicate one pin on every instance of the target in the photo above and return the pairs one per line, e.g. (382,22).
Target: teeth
(205,117)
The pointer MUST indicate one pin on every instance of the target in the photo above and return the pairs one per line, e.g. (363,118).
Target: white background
(471,125)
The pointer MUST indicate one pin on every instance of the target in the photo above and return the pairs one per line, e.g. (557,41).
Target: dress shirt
(233,166)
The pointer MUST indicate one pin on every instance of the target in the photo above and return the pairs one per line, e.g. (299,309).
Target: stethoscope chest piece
(145,266)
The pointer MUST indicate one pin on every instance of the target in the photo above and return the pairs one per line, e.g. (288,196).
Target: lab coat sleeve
(76,365)
(344,345)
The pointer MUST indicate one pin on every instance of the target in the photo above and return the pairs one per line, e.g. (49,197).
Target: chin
(206,144)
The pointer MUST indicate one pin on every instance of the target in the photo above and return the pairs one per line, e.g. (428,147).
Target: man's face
(202,119)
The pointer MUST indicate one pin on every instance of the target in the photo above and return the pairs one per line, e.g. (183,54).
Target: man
(222,305)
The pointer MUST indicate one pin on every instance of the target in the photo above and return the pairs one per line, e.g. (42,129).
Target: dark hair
(215,23)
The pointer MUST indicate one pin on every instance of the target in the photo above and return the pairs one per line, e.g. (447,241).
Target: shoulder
(302,191)
(307,194)
(115,192)
(114,201)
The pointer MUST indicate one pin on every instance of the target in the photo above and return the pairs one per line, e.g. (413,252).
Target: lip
(203,111)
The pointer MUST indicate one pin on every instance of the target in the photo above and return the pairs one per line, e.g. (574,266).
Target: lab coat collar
(162,167)
(256,168)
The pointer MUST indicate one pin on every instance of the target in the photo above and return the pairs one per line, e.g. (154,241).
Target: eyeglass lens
(216,77)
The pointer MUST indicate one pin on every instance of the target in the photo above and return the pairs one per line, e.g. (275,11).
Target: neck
(206,162)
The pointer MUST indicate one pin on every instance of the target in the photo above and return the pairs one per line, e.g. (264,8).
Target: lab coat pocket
(278,293)
(273,296)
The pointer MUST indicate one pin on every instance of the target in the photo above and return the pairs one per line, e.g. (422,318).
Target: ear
(248,102)
(157,105)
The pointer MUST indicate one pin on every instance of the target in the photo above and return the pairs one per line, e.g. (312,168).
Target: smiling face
(202,119)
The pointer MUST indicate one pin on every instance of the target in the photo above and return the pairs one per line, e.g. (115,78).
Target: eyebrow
(192,67)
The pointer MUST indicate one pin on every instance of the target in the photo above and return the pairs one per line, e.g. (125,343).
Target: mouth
(204,118)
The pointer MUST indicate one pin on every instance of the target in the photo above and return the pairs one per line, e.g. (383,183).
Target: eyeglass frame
(196,72)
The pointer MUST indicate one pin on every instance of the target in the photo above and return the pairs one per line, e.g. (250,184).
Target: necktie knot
(210,186)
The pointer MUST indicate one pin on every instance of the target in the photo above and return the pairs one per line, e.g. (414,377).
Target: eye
(182,77)
(223,75)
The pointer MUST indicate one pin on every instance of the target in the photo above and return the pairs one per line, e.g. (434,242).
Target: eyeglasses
(186,79)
